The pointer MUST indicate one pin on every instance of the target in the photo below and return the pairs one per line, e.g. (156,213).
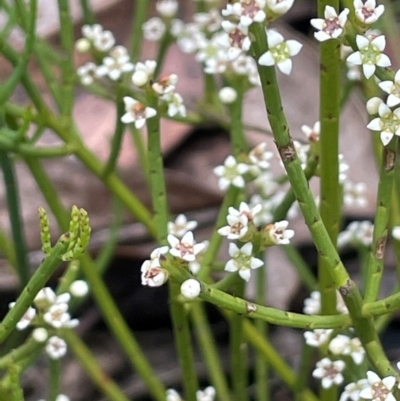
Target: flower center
(280,52)
(379,391)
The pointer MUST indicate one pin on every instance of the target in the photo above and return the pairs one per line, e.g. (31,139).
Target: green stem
(98,376)
(16,223)
(329,150)
(210,352)
(141,151)
(88,16)
(54,386)
(238,349)
(36,283)
(384,197)
(7,248)
(139,17)
(303,371)
(17,354)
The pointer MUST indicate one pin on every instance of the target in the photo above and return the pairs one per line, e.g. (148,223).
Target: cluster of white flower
(50,313)
(356,233)
(208,394)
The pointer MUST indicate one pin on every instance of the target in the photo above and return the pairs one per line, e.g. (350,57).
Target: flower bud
(82,45)
(190,288)
(79,288)
(40,335)
(227,95)
(373,105)
(140,78)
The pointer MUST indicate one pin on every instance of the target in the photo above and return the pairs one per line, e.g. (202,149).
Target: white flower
(136,112)
(47,297)
(114,67)
(312,133)
(231,173)
(338,344)
(172,395)
(102,40)
(57,316)
(260,157)
(190,288)
(56,347)
(175,104)
(368,12)
(357,232)
(227,94)
(153,274)
(143,72)
(393,89)
(79,288)
(165,84)
(317,337)
(329,371)
(184,248)
(279,234)
(60,397)
(238,221)
(378,390)
(352,390)
(343,345)
(242,260)
(208,394)
(266,185)
(248,11)
(181,226)
(369,54)
(332,26)
(312,305)
(209,21)
(167,8)
(279,7)
(236,40)
(26,319)
(279,52)
(153,29)
(87,73)
(388,123)
(354,194)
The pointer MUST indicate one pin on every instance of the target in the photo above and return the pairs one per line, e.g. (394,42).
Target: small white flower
(172,395)
(175,104)
(248,11)
(56,347)
(236,39)
(208,394)
(26,319)
(330,372)
(153,274)
(227,94)
(181,226)
(143,72)
(393,89)
(332,26)
(338,344)
(312,133)
(167,8)
(343,345)
(354,195)
(259,156)
(388,123)
(57,316)
(165,84)
(279,7)
(40,334)
(352,390)
(153,29)
(231,173)
(369,54)
(279,234)
(79,288)
(190,288)
(209,21)
(312,305)
(87,73)
(46,297)
(136,112)
(317,337)
(378,389)
(185,248)
(368,12)
(114,67)
(242,260)
(102,40)
(357,232)
(279,52)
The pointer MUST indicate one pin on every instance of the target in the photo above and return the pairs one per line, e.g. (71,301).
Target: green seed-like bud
(45,231)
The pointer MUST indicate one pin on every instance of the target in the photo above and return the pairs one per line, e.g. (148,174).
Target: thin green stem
(303,371)
(7,248)
(329,150)
(89,17)
(54,385)
(36,283)
(384,197)
(210,351)
(139,17)
(16,223)
(98,376)
(238,352)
